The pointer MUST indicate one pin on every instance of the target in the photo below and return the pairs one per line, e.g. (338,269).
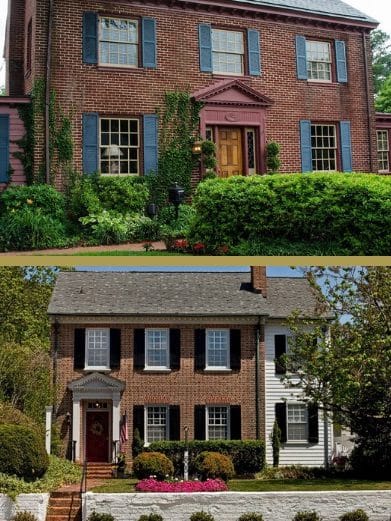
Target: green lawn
(275,485)
(121,253)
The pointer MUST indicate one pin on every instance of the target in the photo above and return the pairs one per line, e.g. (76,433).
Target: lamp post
(186,455)
(176,196)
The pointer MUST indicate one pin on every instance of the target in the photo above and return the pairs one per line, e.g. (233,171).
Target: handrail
(83,483)
(74,451)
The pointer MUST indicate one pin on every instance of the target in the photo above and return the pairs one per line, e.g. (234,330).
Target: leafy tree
(347,371)
(383,100)
(2,90)
(381,58)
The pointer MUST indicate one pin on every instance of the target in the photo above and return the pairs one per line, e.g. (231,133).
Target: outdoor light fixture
(176,196)
(197,147)
(152,210)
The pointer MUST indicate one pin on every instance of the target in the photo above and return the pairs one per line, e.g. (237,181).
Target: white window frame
(335,148)
(242,54)
(209,367)
(167,425)
(330,62)
(296,404)
(385,151)
(130,147)
(207,409)
(157,367)
(136,44)
(97,367)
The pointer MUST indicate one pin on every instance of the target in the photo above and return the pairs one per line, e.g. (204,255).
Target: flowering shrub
(210,485)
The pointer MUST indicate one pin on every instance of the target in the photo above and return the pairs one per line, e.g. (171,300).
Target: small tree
(276,443)
(137,444)
(273,161)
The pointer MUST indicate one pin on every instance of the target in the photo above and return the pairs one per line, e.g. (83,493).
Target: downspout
(56,331)
(47,91)
(369,103)
(258,337)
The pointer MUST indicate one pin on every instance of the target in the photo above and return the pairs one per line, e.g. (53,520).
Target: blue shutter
(342,70)
(90,37)
(305,143)
(90,143)
(254,52)
(205,40)
(149,43)
(150,144)
(346,146)
(301,58)
(4,147)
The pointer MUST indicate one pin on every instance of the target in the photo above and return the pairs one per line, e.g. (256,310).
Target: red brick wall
(15,48)
(184,387)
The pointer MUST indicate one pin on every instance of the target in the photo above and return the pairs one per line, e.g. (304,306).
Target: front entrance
(230,152)
(97,436)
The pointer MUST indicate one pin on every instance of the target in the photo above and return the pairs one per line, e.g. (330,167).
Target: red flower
(199,246)
(210,485)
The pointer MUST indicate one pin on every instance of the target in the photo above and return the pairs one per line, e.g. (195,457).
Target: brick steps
(99,471)
(64,506)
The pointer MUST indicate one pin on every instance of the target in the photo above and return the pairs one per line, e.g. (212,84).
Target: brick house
(383,133)
(165,351)
(294,72)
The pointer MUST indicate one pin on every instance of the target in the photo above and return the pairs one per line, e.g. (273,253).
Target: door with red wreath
(97,436)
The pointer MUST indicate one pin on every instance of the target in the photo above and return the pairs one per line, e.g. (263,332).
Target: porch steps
(64,506)
(99,471)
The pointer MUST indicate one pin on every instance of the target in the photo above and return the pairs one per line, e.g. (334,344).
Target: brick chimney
(259,280)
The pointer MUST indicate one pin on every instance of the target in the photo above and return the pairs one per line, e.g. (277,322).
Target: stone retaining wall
(35,503)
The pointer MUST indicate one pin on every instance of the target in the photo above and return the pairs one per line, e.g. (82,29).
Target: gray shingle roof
(335,8)
(177,294)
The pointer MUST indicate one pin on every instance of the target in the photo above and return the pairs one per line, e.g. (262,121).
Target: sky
(378,9)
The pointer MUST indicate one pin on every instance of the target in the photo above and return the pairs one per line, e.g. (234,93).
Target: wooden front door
(97,436)
(230,153)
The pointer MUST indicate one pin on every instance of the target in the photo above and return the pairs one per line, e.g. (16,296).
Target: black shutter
(236,422)
(138,419)
(79,355)
(313,423)
(280,350)
(175,423)
(139,349)
(175,349)
(199,350)
(115,348)
(281,420)
(199,422)
(235,349)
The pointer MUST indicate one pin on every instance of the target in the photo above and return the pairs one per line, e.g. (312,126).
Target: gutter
(47,91)
(56,330)
(369,103)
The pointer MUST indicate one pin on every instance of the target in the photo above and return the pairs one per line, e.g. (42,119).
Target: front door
(230,155)
(97,436)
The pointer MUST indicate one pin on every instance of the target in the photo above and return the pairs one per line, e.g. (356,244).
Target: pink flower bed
(210,485)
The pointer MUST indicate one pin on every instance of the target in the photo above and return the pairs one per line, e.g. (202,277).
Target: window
(324,147)
(383,150)
(119,146)
(297,420)
(98,348)
(118,42)
(217,349)
(227,52)
(251,158)
(318,61)
(156,349)
(156,423)
(217,423)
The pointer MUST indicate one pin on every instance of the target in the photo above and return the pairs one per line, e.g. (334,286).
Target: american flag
(124,429)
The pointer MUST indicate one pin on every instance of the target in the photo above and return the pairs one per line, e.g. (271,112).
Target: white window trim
(228,407)
(138,148)
(315,80)
(296,442)
(146,407)
(96,367)
(334,148)
(387,150)
(158,368)
(217,367)
(221,73)
(119,65)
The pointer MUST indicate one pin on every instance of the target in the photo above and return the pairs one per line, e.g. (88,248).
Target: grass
(276,485)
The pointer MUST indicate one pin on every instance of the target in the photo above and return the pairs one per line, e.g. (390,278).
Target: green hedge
(351,211)
(248,457)
(43,199)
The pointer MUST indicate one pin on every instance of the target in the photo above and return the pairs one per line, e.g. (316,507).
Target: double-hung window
(97,349)
(118,42)
(227,52)
(156,421)
(383,150)
(157,353)
(324,147)
(217,349)
(217,422)
(119,146)
(297,422)
(319,61)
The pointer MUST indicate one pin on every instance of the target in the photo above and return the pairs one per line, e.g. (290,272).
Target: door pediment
(232,92)
(96,382)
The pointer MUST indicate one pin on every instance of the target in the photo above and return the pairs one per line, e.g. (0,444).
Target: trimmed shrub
(307,516)
(155,464)
(356,515)
(251,516)
(22,452)
(248,457)
(371,460)
(43,198)
(214,465)
(352,211)
(9,415)
(201,516)
(294,472)
(24,516)
(123,194)
(151,517)
(96,516)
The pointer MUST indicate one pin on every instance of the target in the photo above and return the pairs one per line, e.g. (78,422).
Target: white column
(48,427)
(76,427)
(116,418)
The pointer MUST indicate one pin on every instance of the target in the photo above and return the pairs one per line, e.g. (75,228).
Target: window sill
(155,370)
(304,443)
(126,70)
(220,76)
(216,370)
(97,369)
(333,84)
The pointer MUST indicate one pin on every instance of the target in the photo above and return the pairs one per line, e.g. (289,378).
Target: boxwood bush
(155,464)
(248,457)
(351,211)
(212,465)
(356,515)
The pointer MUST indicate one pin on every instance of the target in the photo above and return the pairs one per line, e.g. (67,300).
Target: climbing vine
(179,121)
